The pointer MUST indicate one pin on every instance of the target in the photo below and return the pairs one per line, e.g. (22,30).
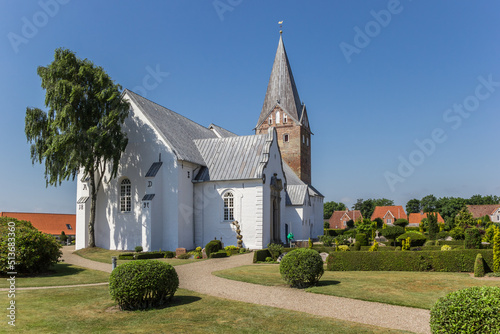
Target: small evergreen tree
(496,251)
(433,227)
(63,238)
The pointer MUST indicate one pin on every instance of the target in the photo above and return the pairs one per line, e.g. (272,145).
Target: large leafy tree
(413,206)
(368,206)
(429,203)
(329,207)
(82,128)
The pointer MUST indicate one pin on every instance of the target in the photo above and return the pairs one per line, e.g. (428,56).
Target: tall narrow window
(286,138)
(125,196)
(307,141)
(285,118)
(277,117)
(270,119)
(228,206)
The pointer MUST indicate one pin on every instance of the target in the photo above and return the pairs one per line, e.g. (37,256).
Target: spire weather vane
(281,26)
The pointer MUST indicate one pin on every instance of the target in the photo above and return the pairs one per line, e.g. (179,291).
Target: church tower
(283,110)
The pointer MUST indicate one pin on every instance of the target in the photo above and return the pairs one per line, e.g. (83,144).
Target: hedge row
(460,260)
(147,255)
(333,232)
(261,254)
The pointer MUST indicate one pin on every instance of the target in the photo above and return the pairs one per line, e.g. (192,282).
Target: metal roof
(153,170)
(281,89)
(296,194)
(178,131)
(234,158)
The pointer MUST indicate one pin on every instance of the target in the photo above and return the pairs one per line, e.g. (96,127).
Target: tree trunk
(93,203)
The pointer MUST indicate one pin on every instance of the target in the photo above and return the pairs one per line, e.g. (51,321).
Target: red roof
(479,211)
(416,218)
(50,223)
(336,218)
(397,212)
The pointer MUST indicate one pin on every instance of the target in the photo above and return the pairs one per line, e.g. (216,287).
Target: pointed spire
(281,88)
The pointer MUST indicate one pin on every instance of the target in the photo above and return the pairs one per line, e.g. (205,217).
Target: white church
(181,184)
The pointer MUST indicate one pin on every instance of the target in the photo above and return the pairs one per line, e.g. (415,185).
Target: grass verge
(63,274)
(413,289)
(91,310)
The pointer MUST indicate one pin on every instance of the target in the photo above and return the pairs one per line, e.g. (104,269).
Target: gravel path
(197,277)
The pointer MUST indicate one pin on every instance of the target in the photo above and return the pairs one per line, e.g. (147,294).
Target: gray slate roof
(296,189)
(281,88)
(177,130)
(234,158)
(221,132)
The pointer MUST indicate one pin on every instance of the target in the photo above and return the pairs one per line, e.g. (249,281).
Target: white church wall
(185,206)
(82,213)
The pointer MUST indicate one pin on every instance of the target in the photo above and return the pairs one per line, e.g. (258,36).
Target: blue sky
(402,97)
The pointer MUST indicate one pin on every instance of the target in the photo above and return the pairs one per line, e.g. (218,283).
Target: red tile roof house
(50,223)
(492,210)
(389,214)
(339,219)
(416,218)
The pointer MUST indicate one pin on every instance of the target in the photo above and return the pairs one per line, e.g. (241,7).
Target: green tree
(392,232)
(413,206)
(464,218)
(429,203)
(401,222)
(83,126)
(329,207)
(63,237)
(368,206)
(433,226)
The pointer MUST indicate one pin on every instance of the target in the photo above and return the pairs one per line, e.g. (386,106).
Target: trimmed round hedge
(301,267)
(213,247)
(416,238)
(143,284)
(471,310)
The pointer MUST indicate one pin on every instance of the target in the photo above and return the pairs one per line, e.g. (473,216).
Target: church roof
(177,130)
(281,89)
(296,189)
(221,132)
(234,158)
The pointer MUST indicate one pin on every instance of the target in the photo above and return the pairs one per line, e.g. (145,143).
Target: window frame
(125,196)
(228,206)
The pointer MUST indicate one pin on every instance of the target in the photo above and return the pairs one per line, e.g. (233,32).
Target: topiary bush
(213,247)
(302,267)
(218,254)
(471,310)
(472,238)
(138,249)
(496,251)
(169,254)
(362,239)
(479,266)
(143,284)
(374,247)
(24,249)
(416,238)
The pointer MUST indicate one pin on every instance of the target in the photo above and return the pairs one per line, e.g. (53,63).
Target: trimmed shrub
(416,238)
(460,260)
(143,284)
(412,228)
(260,255)
(302,267)
(275,250)
(126,256)
(213,247)
(138,249)
(496,251)
(184,256)
(357,246)
(326,240)
(472,238)
(35,252)
(446,248)
(392,232)
(443,235)
(309,243)
(458,233)
(343,248)
(63,238)
(149,255)
(479,266)
(333,232)
(401,222)
(374,247)
(169,254)
(471,310)
(218,254)
(362,239)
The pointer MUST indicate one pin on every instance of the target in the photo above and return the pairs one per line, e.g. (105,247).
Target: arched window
(228,206)
(278,117)
(125,196)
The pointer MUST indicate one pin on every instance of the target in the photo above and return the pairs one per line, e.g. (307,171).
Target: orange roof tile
(50,223)
(335,219)
(396,210)
(416,218)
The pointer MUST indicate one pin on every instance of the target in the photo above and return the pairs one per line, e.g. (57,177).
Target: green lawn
(104,256)
(414,289)
(61,274)
(91,310)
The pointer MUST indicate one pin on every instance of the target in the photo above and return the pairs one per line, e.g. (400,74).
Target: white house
(181,184)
